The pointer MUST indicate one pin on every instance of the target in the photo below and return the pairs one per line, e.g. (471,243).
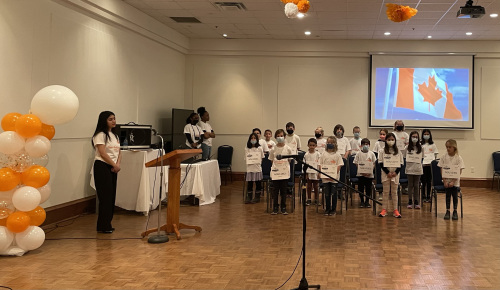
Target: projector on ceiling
(470,11)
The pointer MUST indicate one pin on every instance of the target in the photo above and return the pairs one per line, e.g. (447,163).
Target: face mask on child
(365,148)
(339,134)
(330,146)
(427,137)
(414,140)
(289,131)
(356,135)
(280,139)
(391,142)
(253,141)
(399,128)
(317,135)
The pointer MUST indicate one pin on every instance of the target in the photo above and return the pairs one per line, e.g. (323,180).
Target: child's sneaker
(283,211)
(383,213)
(396,214)
(380,197)
(308,202)
(409,206)
(455,215)
(367,205)
(417,206)
(275,211)
(447,215)
(361,205)
(327,212)
(332,212)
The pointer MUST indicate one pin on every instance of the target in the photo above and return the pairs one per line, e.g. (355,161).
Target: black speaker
(134,136)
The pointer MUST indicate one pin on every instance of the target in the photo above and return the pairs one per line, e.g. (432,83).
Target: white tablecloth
(202,181)
(136,187)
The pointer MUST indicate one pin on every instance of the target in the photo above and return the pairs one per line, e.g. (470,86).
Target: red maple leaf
(430,92)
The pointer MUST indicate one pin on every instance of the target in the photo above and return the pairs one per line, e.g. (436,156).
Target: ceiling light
(307,33)
(429,36)
(468,33)
(387,33)
(225,35)
(300,15)
(493,15)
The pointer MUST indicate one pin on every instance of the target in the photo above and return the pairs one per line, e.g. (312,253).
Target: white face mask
(280,139)
(391,143)
(414,140)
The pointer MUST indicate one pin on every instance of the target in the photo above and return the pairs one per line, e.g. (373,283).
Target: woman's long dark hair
(102,126)
(430,137)
(386,149)
(411,147)
(249,144)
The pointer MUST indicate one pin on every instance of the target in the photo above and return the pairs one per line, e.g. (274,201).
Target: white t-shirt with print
(355,145)
(447,160)
(195,131)
(430,151)
(321,145)
(206,129)
(254,167)
(293,142)
(343,145)
(365,157)
(112,146)
(331,158)
(391,169)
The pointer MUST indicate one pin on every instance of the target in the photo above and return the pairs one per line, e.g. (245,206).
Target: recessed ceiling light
(429,36)
(387,33)
(225,35)
(493,15)
(468,33)
(307,33)
(300,15)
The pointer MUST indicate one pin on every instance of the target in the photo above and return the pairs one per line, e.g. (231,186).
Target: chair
(353,179)
(496,169)
(437,186)
(290,187)
(225,159)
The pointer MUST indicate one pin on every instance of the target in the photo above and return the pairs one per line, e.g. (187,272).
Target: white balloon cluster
(24,146)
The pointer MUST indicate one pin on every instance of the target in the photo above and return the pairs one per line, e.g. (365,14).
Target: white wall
(261,83)
(135,70)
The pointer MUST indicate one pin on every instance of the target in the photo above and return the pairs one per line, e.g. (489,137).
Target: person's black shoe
(275,211)
(367,205)
(107,231)
(283,211)
(455,215)
(447,215)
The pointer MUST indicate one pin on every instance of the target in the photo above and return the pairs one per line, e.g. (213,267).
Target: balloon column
(24,144)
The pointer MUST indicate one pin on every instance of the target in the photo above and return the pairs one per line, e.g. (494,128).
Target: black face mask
(289,131)
(399,128)
(317,135)
(330,146)
(194,122)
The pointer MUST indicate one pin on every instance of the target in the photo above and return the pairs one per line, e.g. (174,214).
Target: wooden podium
(173,159)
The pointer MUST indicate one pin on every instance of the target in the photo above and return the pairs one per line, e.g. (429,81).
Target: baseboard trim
(70,209)
(464,182)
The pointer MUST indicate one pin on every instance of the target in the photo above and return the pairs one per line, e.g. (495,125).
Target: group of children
(327,154)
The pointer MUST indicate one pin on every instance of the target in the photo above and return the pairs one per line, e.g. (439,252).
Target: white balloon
(37,146)
(26,198)
(32,238)
(42,161)
(44,193)
(291,10)
(13,251)
(11,142)
(55,105)
(6,238)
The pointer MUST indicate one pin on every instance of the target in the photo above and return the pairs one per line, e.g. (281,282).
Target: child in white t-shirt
(365,160)
(344,147)
(414,156)
(356,141)
(380,144)
(269,143)
(312,158)
(453,162)
(391,159)
(262,142)
(402,137)
(279,183)
(292,140)
(430,154)
(319,134)
(330,159)
(253,158)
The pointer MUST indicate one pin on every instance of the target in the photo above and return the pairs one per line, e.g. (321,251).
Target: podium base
(158,239)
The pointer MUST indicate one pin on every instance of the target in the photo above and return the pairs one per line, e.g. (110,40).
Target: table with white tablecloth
(202,180)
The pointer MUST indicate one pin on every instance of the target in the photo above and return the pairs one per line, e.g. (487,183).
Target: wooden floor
(242,247)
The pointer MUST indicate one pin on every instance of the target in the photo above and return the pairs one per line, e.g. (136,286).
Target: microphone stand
(160,237)
(304,285)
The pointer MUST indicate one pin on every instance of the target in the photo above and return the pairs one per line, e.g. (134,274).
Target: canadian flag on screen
(421,90)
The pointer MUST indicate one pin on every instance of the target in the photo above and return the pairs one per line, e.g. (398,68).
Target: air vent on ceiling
(230,6)
(185,19)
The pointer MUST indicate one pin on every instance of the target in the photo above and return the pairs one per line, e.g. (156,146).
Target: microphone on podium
(279,156)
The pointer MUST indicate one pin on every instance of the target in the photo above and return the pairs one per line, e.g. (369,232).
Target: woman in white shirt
(193,132)
(208,133)
(106,166)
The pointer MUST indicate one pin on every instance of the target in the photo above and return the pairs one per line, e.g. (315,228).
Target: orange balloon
(28,125)
(48,131)
(18,222)
(9,121)
(9,179)
(37,216)
(35,176)
(3,222)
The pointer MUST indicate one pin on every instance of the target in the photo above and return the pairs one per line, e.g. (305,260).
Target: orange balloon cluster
(28,125)
(302,5)
(9,121)
(18,222)
(37,216)
(9,179)
(399,13)
(35,176)
(48,131)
